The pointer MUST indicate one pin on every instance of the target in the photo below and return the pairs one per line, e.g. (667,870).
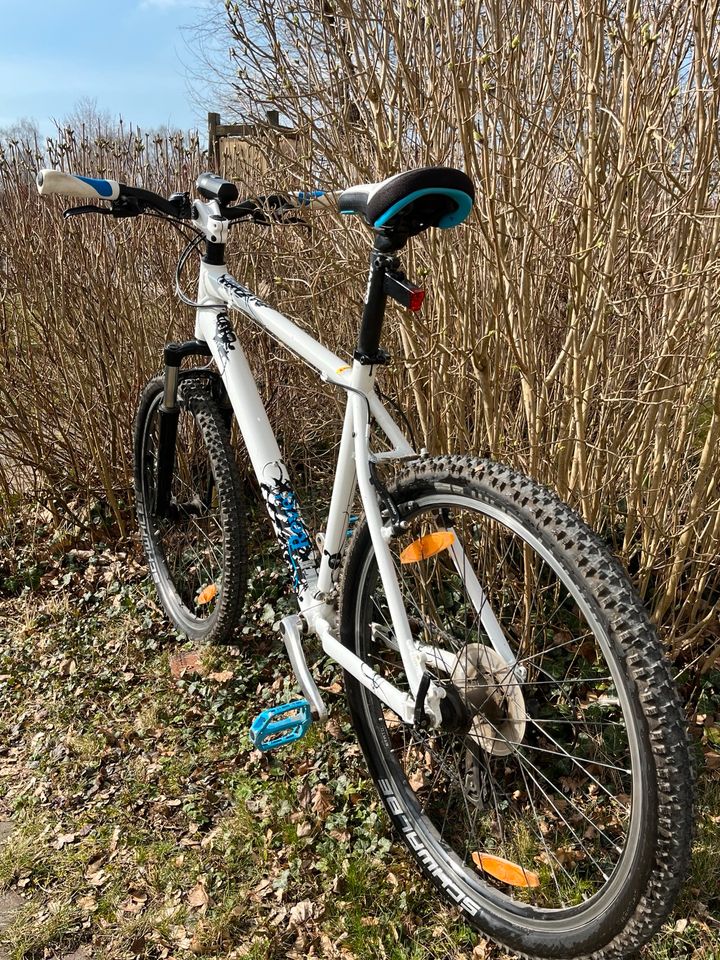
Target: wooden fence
(242,152)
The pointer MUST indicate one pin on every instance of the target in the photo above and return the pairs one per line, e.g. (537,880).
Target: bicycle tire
(623,891)
(198,556)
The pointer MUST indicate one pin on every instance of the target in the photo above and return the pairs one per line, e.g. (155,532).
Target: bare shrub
(87,304)
(571,327)
(85,309)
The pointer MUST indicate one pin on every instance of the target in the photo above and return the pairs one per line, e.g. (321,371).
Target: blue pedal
(280,725)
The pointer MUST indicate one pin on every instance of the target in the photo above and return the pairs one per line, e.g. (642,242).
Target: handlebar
(127,201)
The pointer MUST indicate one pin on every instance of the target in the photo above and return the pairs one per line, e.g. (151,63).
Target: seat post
(382,260)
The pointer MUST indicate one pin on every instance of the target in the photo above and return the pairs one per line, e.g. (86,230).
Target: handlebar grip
(73,185)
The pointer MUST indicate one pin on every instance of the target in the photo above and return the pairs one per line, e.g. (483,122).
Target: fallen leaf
(133,906)
(187,661)
(63,840)
(342,836)
(67,668)
(322,802)
(332,727)
(681,925)
(278,917)
(80,954)
(416,780)
(262,889)
(178,933)
(302,912)
(198,897)
(221,676)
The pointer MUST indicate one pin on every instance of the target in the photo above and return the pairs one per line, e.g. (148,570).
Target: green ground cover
(147,827)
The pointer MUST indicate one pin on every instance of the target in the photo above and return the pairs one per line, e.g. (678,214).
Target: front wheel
(197,550)
(553,806)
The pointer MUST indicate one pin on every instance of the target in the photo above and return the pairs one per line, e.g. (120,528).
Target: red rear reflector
(416,299)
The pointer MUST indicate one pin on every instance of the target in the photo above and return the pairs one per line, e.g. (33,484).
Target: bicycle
(506,686)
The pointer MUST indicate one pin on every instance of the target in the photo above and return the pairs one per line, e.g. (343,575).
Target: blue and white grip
(73,185)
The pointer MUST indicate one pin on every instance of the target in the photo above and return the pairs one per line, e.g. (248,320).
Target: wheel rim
(187,548)
(562,802)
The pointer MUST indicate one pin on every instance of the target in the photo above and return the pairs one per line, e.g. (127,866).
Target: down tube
(280,498)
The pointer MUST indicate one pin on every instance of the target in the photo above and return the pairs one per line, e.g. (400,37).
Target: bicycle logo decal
(225,338)
(240,292)
(284,510)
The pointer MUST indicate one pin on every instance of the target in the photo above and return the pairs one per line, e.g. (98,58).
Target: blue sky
(129,56)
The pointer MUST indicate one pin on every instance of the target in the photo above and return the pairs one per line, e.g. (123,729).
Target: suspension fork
(169,413)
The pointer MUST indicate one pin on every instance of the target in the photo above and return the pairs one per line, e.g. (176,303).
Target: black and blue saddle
(413,201)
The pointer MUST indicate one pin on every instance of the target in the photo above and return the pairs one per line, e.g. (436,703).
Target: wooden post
(213,152)
(219,135)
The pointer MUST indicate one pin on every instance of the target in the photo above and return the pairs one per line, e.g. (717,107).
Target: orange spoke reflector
(208,594)
(427,546)
(506,871)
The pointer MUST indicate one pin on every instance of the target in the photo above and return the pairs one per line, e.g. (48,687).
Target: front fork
(169,414)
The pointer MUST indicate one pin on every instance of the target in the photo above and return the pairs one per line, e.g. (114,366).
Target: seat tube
(383,557)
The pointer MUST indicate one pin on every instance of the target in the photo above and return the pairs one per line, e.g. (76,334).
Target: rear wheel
(197,553)
(554,804)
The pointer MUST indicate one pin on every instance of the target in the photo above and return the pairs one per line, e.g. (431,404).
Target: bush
(571,327)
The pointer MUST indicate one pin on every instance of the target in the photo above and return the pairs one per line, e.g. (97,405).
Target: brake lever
(281,209)
(86,208)
(126,207)
(122,207)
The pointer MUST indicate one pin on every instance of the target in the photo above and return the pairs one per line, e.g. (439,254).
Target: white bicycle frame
(315,580)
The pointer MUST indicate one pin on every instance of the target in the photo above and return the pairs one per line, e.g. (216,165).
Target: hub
(491,697)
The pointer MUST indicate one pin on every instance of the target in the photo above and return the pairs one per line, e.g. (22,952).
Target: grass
(146,827)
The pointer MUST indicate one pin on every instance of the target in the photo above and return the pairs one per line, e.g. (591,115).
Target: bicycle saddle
(413,201)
